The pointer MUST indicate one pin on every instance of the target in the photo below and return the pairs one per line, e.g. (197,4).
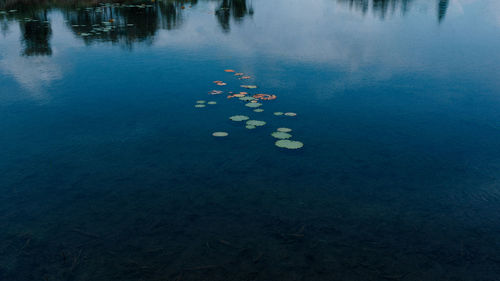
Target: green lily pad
(256,123)
(258,110)
(200,101)
(220,134)
(253,104)
(249,86)
(212,102)
(291,114)
(246,98)
(278,113)
(199,105)
(284,130)
(239,118)
(289,144)
(281,135)
(250,127)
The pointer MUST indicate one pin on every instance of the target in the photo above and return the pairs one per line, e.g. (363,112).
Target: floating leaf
(212,102)
(200,105)
(239,118)
(215,92)
(289,144)
(284,130)
(278,113)
(291,114)
(249,86)
(281,135)
(256,123)
(245,98)
(220,134)
(265,96)
(250,104)
(250,127)
(258,110)
(200,101)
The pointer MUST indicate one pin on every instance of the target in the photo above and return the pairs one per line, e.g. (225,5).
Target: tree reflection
(236,9)
(36,34)
(442,7)
(121,21)
(381,8)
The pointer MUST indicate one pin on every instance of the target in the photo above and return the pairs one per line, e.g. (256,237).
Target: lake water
(108,171)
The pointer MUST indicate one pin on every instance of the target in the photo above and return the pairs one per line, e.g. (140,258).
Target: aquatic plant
(199,105)
(249,86)
(212,102)
(278,113)
(256,123)
(253,104)
(239,118)
(250,127)
(200,101)
(284,130)
(220,134)
(258,110)
(244,98)
(291,114)
(289,144)
(281,135)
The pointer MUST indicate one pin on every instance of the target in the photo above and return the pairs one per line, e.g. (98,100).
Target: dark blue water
(109,172)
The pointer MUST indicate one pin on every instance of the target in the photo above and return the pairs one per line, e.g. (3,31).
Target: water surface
(109,172)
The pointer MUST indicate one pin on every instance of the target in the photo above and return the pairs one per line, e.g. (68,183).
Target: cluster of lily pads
(283,135)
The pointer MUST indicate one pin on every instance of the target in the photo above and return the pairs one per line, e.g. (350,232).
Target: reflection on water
(236,9)
(139,21)
(36,33)
(442,7)
(381,8)
(117,21)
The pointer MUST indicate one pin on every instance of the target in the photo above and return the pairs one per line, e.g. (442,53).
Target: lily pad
(249,86)
(200,101)
(258,110)
(220,134)
(256,123)
(212,102)
(244,98)
(253,104)
(278,113)
(291,114)
(239,118)
(250,127)
(284,130)
(200,105)
(289,144)
(281,135)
